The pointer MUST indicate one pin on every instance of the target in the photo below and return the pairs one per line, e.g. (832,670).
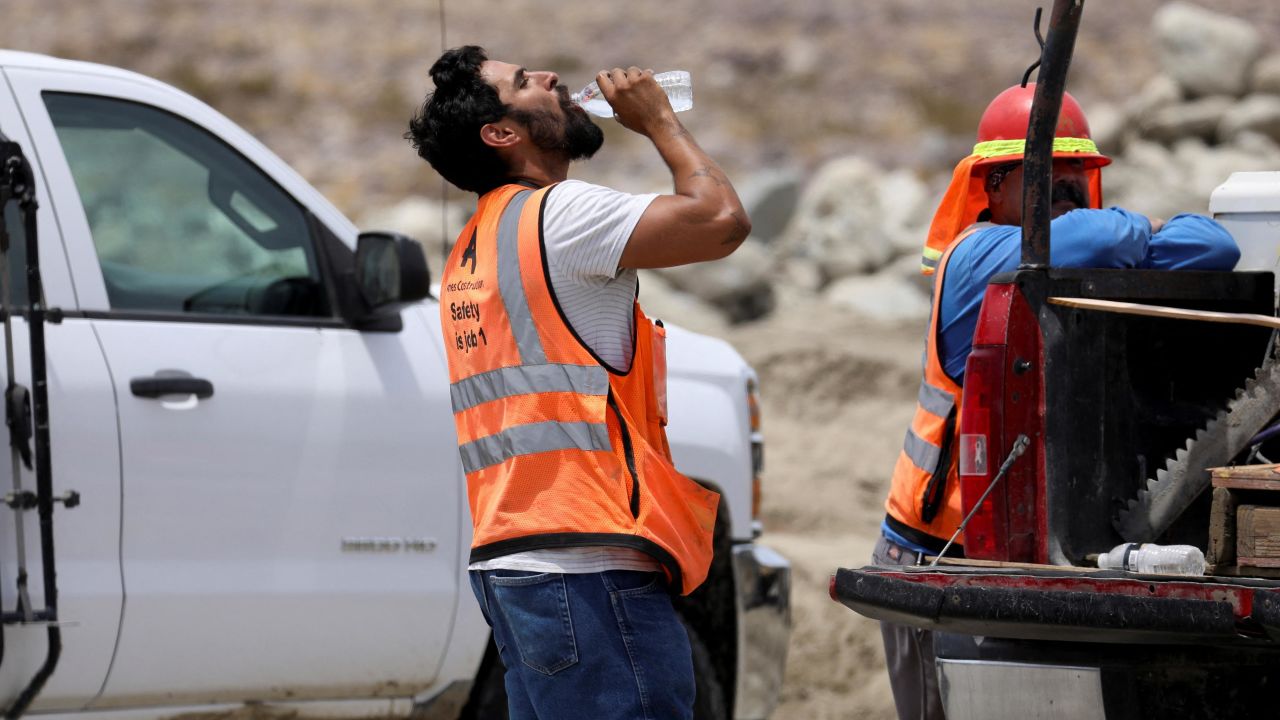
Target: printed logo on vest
(470,254)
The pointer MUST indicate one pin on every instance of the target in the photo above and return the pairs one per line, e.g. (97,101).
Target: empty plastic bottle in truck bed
(676,83)
(1157,559)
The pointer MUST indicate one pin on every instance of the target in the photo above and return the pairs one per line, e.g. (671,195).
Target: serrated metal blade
(1186,475)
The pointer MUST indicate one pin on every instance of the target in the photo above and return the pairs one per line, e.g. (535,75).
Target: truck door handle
(159,385)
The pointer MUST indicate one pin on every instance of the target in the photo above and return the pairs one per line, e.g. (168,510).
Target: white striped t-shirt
(585,228)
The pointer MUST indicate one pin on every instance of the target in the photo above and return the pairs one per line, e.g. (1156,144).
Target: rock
(1160,182)
(838,222)
(1109,128)
(885,297)
(1266,75)
(770,198)
(906,242)
(740,285)
(1147,180)
(905,210)
(1198,118)
(1158,92)
(801,58)
(1256,113)
(934,150)
(662,301)
(907,268)
(802,274)
(1258,145)
(1206,52)
(1204,169)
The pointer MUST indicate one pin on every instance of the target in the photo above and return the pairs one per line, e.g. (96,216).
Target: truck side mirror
(391,271)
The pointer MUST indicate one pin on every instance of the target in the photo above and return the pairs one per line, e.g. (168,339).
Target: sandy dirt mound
(838,393)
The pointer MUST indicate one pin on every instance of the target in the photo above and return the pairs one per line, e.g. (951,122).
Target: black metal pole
(1037,176)
(25,182)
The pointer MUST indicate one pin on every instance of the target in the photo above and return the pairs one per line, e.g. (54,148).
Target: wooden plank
(1223,569)
(1258,535)
(1222,528)
(1247,484)
(1259,562)
(971,562)
(1260,471)
(1247,477)
(1242,572)
(1170,313)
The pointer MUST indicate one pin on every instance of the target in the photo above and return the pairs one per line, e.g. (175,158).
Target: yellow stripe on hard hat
(1000,148)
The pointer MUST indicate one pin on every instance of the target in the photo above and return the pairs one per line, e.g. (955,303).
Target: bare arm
(703,219)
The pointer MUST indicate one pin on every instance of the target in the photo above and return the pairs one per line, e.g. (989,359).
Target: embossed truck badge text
(387,544)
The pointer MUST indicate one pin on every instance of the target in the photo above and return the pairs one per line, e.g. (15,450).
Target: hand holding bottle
(639,103)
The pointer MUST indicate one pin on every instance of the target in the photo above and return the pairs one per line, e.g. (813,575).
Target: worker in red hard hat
(976,234)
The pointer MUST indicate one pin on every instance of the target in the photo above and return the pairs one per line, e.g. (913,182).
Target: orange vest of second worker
(925,494)
(558,450)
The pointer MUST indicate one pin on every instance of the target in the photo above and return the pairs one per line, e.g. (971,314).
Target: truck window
(181,222)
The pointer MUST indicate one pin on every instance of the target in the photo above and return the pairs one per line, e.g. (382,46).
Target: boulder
(1206,52)
(1257,113)
(740,286)
(1158,92)
(662,301)
(1147,179)
(770,199)
(1198,118)
(907,268)
(801,274)
(885,297)
(1258,145)
(838,222)
(1205,169)
(1109,128)
(905,210)
(1266,75)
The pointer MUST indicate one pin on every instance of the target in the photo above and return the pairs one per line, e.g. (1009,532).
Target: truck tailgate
(1050,603)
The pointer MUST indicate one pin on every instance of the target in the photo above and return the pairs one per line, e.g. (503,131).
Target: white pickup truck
(273,515)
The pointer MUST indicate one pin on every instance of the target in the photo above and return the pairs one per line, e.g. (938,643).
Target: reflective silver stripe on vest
(530,439)
(511,284)
(526,380)
(929,262)
(935,401)
(923,454)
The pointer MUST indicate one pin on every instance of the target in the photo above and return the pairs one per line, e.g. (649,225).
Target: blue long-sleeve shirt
(1113,238)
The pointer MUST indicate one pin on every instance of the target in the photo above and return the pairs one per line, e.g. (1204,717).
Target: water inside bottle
(679,88)
(594,103)
(677,84)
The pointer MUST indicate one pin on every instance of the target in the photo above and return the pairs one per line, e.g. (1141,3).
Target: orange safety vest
(559,451)
(925,494)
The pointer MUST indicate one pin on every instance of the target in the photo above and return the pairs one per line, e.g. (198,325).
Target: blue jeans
(606,646)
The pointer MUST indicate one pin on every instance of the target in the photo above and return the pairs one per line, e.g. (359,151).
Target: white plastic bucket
(1248,206)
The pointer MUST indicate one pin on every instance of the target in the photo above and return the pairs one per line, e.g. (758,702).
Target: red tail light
(981,442)
(1002,398)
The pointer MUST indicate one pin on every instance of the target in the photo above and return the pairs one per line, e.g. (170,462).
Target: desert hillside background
(883,95)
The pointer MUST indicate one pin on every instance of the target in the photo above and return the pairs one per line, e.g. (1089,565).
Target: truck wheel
(710,701)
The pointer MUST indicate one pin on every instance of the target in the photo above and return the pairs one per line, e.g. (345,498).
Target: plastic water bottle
(1156,559)
(676,84)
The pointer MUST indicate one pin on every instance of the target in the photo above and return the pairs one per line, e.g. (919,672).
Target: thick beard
(571,134)
(1070,191)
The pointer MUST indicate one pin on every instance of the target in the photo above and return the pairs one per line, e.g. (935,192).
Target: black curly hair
(446,130)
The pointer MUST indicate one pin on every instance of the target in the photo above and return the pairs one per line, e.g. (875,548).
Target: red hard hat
(1002,132)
